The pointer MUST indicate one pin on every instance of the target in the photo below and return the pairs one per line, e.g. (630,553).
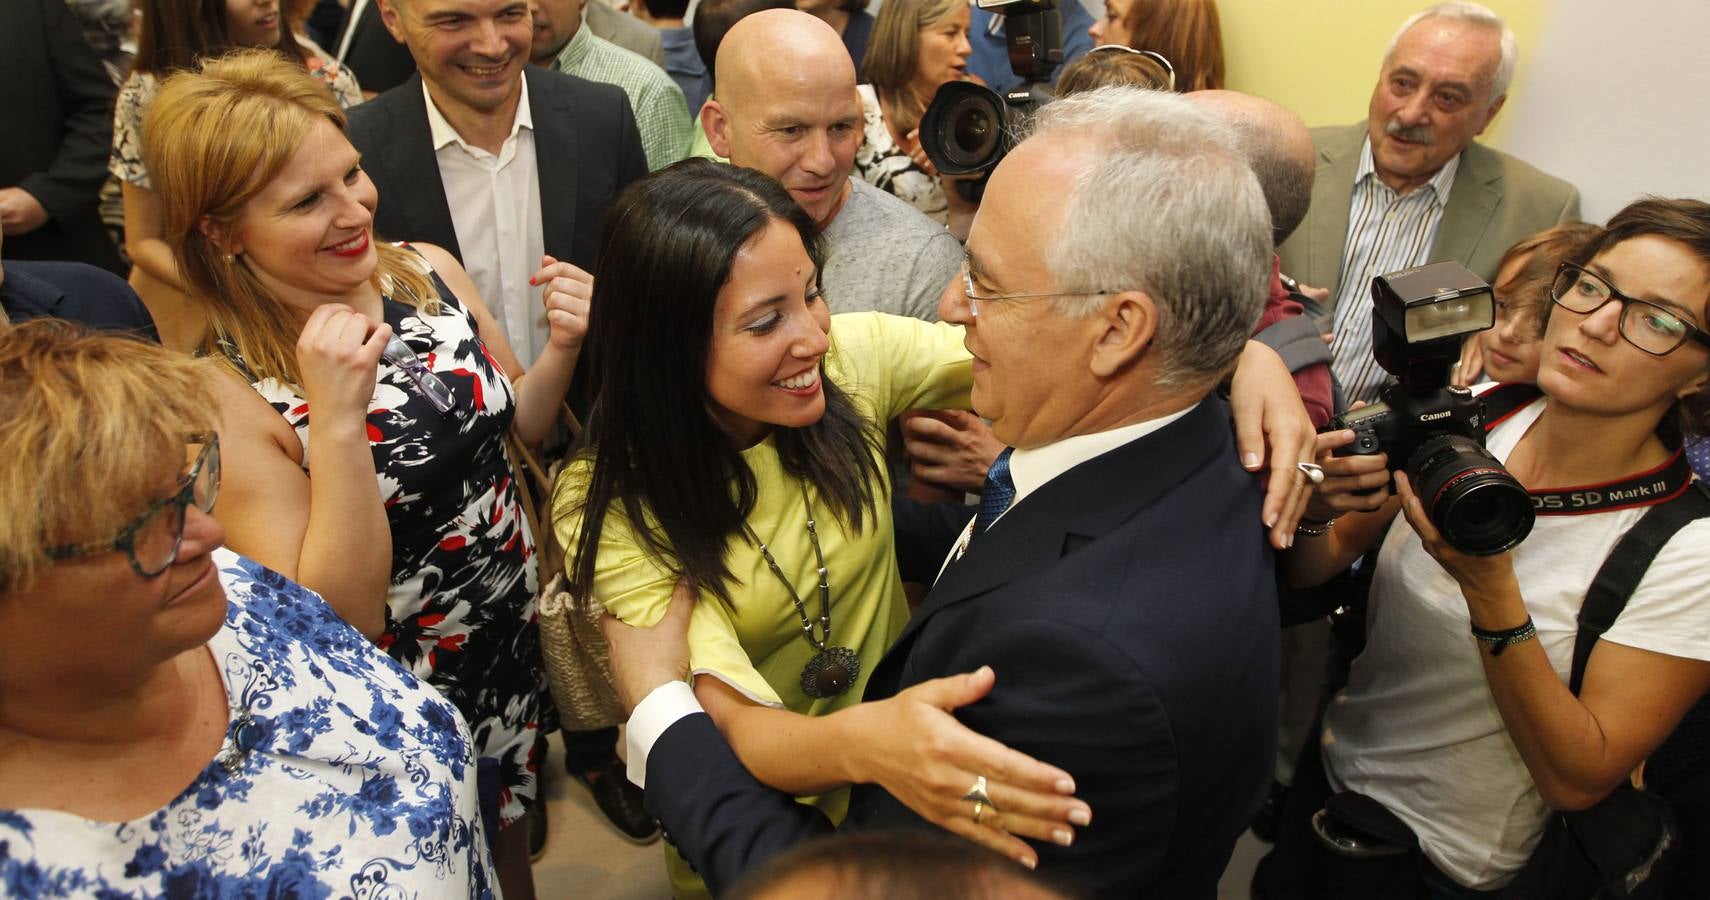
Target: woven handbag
(577,659)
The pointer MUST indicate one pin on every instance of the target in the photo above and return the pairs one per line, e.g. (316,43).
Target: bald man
(786,105)
(1278,146)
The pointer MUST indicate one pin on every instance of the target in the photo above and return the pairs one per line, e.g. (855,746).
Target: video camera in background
(1433,431)
(968,127)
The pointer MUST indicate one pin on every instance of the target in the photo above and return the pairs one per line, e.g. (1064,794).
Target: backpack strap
(1505,400)
(1625,568)
(1297,340)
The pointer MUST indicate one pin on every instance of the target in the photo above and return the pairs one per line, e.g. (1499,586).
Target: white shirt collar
(1440,183)
(443,134)
(1031,469)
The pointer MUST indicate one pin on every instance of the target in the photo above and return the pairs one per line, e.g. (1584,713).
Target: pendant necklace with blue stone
(832,669)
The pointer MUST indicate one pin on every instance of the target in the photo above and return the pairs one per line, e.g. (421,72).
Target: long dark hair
(666,250)
(1686,222)
(175,34)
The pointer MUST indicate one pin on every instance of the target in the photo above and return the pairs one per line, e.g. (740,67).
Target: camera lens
(973,132)
(1472,500)
(973,128)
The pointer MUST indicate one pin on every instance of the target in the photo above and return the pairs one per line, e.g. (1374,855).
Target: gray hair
(1171,208)
(1472,14)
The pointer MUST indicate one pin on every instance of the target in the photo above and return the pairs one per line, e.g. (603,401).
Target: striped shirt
(1387,232)
(661,115)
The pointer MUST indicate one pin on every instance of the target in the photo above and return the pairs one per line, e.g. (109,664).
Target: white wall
(1617,100)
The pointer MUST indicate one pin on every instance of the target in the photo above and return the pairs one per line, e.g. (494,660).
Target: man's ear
(1490,114)
(389,16)
(716,123)
(1127,324)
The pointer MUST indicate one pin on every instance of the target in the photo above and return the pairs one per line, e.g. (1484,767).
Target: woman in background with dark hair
(735,447)
(1187,32)
(172,37)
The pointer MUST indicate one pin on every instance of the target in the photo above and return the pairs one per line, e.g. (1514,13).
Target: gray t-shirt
(883,254)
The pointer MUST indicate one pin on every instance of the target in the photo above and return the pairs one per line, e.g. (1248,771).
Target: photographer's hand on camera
(1487,581)
(1351,483)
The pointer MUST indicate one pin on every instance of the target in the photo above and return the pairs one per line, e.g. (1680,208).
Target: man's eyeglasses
(399,354)
(1646,325)
(1153,55)
(151,540)
(975,299)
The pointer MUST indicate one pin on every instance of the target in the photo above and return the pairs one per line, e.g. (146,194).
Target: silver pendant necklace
(832,669)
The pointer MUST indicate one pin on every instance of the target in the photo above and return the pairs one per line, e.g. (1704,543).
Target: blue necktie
(998,493)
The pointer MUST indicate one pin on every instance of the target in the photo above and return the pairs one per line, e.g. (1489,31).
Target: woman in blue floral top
(176,720)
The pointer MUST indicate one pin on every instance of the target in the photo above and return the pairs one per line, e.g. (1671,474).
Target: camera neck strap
(1658,485)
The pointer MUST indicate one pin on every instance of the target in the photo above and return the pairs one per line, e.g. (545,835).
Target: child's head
(1522,287)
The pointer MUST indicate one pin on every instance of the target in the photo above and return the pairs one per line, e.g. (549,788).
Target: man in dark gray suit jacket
(59,130)
(1410,186)
(1114,580)
(501,163)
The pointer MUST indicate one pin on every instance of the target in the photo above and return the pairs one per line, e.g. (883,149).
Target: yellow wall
(1320,58)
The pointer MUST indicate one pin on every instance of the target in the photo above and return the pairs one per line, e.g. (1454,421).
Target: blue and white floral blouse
(341,775)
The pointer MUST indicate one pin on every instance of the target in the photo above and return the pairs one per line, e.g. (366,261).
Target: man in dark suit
(59,130)
(502,163)
(583,149)
(1410,185)
(1123,598)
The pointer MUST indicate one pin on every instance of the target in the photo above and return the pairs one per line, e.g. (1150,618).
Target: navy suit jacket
(586,147)
(59,131)
(1128,607)
(76,292)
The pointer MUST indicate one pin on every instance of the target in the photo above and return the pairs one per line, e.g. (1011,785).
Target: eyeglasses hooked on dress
(399,354)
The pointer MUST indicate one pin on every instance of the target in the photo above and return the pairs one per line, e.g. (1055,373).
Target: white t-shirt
(1416,729)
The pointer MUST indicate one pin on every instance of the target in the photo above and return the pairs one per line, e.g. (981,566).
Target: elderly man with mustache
(1410,186)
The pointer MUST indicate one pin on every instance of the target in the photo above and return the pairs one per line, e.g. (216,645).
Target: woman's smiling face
(770,331)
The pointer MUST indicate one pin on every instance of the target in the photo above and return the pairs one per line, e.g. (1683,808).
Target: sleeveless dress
(460,611)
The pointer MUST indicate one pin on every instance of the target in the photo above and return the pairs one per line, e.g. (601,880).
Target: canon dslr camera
(1432,431)
(968,128)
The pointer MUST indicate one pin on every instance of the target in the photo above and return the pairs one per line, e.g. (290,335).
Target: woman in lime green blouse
(748,436)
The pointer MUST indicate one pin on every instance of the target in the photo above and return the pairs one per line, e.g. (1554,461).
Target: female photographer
(917,47)
(1457,718)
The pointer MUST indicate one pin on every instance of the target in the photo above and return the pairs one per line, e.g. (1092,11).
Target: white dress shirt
(1029,469)
(1387,232)
(495,210)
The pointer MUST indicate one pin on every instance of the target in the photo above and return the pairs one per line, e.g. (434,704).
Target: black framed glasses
(1653,328)
(151,540)
(436,391)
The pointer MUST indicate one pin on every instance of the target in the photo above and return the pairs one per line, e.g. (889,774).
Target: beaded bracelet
(1309,528)
(1499,640)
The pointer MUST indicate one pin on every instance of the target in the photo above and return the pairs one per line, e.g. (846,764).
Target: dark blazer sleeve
(69,187)
(718,816)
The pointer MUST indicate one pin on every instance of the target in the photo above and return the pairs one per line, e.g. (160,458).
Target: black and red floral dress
(460,611)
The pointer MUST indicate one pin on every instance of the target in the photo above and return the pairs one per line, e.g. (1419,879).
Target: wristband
(1499,640)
